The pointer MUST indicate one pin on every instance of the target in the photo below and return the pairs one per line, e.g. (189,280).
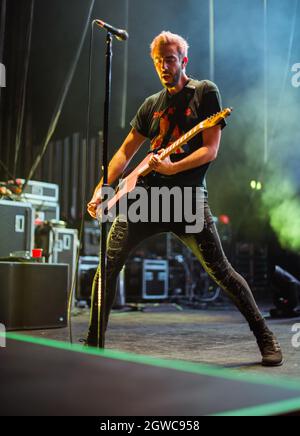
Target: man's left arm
(207,153)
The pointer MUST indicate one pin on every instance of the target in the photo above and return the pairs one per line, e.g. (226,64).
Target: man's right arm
(117,165)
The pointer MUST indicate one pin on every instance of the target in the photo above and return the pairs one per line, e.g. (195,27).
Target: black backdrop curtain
(16,28)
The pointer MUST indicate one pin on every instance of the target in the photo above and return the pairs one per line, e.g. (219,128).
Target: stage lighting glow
(256,185)
(281,201)
(224,219)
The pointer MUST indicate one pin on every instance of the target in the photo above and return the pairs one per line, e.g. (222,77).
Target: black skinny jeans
(206,246)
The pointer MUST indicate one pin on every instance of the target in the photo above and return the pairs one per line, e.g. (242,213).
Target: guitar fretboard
(182,140)
(203,125)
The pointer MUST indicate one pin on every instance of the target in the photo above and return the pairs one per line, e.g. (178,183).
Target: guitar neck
(182,140)
(203,125)
(175,145)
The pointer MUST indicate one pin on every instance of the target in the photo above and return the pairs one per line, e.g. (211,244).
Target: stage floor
(214,336)
(205,352)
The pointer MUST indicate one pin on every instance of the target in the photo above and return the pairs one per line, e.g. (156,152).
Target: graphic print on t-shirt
(164,125)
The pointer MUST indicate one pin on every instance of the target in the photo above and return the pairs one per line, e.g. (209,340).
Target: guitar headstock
(215,119)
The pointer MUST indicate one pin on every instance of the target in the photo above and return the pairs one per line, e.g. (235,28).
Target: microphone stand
(103,249)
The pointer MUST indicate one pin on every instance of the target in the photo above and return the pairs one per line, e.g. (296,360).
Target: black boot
(91,342)
(88,342)
(269,346)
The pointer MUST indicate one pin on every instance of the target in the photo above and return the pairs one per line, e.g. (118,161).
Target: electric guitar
(129,183)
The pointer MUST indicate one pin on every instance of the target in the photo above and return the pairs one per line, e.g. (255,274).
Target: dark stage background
(250,48)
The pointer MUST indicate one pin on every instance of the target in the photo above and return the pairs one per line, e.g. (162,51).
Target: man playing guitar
(164,118)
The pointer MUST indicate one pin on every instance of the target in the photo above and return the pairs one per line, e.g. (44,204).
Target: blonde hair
(167,37)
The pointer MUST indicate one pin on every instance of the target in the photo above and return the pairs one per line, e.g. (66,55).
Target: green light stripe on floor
(286,406)
(179,365)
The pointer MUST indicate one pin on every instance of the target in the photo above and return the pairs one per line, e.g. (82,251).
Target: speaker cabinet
(16,227)
(33,295)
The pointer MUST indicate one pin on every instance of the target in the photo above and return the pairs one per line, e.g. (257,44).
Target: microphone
(120,34)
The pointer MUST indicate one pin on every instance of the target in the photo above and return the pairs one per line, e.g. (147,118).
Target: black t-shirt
(197,101)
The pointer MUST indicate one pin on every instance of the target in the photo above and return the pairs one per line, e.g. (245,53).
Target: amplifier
(146,279)
(41,191)
(16,227)
(86,271)
(33,295)
(155,279)
(59,245)
(91,239)
(63,245)
(45,210)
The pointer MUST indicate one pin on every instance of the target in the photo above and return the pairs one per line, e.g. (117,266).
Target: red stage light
(224,219)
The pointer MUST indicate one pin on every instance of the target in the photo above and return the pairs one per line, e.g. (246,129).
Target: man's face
(169,65)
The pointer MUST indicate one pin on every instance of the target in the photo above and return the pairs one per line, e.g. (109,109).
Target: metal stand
(103,226)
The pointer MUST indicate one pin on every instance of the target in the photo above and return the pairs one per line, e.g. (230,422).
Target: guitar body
(129,183)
